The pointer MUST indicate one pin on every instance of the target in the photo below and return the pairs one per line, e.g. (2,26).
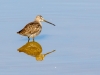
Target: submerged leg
(28,39)
(33,39)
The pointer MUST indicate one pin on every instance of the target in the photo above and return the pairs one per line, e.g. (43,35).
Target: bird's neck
(36,21)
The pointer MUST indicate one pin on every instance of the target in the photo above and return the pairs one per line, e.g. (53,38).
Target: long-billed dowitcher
(34,28)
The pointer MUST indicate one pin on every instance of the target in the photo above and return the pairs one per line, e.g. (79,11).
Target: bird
(32,29)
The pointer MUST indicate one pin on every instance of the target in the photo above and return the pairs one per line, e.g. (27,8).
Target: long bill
(49,22)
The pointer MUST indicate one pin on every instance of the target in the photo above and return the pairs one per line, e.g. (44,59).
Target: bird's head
(39,18)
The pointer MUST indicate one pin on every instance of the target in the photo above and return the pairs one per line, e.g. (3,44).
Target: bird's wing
(30,28)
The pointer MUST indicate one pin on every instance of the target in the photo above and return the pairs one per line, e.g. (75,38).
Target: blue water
(76,37)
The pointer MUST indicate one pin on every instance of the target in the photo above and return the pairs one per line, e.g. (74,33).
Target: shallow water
(75,37)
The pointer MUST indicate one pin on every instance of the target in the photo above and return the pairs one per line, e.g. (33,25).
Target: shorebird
(34,28)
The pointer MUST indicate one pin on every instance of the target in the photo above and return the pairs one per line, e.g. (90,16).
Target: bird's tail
(19,32)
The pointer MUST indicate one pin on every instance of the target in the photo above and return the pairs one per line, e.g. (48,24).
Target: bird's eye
(41,17)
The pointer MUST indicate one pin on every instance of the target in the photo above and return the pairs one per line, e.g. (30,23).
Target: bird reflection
(34,49)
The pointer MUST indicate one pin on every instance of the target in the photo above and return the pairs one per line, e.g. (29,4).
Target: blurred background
(76,37)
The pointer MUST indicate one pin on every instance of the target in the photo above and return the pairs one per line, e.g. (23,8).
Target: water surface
(75,37)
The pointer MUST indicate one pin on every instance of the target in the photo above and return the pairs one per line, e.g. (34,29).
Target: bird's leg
(33,39)
(28,39)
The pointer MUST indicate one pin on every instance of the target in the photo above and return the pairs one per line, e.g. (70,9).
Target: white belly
(32,35)
(35,34)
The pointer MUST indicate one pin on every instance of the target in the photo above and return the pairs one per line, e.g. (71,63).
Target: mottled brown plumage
(34,28)
(31,28)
